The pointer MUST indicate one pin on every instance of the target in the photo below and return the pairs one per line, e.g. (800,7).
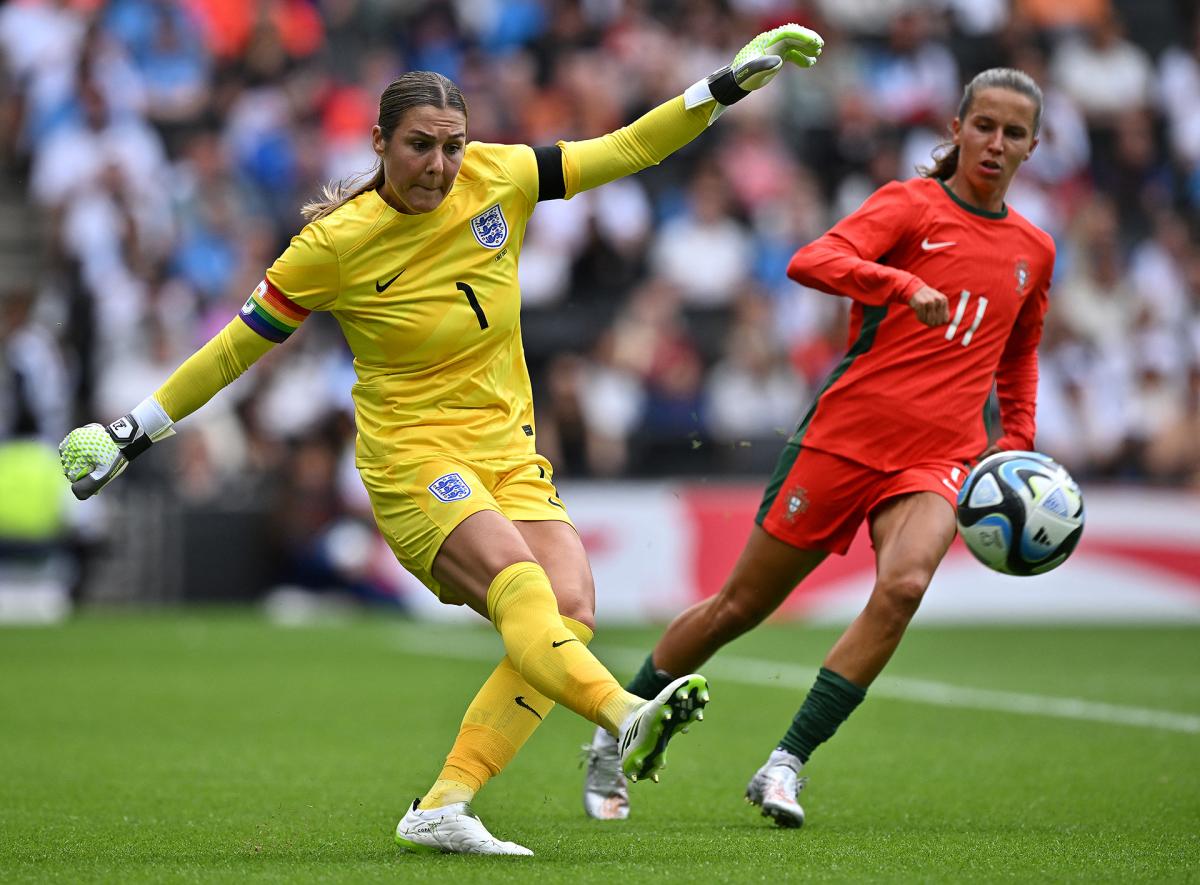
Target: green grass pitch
(214,747)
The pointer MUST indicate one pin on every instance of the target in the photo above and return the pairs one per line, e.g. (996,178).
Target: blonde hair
(410,90)
(945,155)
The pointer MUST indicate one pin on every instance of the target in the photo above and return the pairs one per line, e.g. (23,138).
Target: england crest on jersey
(449,488)
(490,228)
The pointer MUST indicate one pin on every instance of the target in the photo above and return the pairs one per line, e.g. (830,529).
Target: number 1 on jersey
(963,298)
(474,302)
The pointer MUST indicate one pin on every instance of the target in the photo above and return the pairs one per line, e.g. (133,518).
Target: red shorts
(816,500)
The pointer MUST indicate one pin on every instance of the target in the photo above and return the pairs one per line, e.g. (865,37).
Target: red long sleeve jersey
(906,393)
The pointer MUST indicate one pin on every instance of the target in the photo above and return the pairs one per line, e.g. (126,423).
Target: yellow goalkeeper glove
(92,456)
(755,65)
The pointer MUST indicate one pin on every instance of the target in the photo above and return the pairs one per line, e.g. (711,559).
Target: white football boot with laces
(645,733)
(775,787)
(453,829)
(605,789)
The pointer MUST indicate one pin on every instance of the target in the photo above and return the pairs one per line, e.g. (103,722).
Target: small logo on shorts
(797,503)
(450,487)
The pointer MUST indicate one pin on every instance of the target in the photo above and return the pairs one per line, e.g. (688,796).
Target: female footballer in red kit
(949,288)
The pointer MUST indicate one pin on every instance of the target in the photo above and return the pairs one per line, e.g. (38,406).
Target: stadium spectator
(1179,92)
(752,394)
(913,79)
(704,251)
(1104,72)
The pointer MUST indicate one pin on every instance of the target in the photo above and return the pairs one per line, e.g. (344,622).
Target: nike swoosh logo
(520,699)
(383,287)
(929,247)
(562,642)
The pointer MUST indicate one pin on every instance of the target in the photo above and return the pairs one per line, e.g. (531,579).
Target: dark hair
(410,90)
(945,156)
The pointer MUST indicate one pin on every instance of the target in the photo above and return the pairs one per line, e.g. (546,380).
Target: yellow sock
(547,654)
(501,718)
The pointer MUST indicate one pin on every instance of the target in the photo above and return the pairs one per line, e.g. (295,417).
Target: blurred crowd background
(156,153)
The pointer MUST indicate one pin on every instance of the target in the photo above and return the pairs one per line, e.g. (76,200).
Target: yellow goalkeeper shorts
(418,502)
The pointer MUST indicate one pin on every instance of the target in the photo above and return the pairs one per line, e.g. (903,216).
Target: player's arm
(569,168)
(845,260)
(1017,373)
(94,455)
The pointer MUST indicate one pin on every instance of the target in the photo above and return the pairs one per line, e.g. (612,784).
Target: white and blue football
(1020,513)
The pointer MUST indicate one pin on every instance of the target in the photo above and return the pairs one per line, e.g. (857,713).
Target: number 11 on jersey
(961,311)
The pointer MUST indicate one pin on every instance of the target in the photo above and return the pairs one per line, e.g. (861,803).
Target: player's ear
(377,141)
(1033,144)
(955,131)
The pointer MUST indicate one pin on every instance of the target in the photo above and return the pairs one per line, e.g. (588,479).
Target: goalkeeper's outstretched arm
(667,128)
(94,455)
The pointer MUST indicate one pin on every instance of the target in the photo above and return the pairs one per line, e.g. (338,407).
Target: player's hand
(91,459)
(931,306)
(755,65)
(92,456)
(988,452)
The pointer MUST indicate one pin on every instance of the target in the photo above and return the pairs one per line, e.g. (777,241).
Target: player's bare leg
(765,573)
(911,534)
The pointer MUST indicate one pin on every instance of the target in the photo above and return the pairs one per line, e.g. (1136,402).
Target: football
(1020,513)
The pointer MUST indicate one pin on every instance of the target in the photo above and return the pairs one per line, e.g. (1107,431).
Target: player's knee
(900,595)
(584,614)
(737,611)
(577,601)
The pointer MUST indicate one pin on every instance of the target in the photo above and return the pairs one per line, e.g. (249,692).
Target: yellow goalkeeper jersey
(429,305)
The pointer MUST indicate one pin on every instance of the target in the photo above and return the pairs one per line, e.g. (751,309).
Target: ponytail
(336,194)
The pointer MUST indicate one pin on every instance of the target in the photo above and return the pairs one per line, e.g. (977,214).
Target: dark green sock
(649,681)
(831,699)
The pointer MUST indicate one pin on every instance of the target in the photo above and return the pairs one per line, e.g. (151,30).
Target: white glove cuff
(697,94)
(720,87)
(153,419)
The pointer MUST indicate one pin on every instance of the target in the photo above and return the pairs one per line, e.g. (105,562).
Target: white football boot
(605,790)
(775,787)
(647,730)
(453,829)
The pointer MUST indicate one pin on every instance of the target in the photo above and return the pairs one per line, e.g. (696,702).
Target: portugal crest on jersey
(490,228)
(450,488)
(1022,276)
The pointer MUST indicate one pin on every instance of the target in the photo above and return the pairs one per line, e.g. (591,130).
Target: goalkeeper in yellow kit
(419,266)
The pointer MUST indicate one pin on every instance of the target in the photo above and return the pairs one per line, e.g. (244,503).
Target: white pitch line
(795,677)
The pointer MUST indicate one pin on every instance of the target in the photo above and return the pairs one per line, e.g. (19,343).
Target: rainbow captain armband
(272,314)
